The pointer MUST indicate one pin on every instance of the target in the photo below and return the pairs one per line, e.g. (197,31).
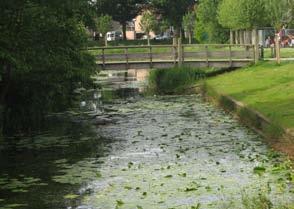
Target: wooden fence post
(206,52)
(174,51)
(103,58)
(150,56)
(256,45)
(180,52)
(231,59)
(127,58)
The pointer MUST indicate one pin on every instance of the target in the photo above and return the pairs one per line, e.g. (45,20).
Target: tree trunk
(190,37)
(231,37)
(4,88)
(236,37)
(1,120)
(5,82)
(182,36)
(148,39)
(105,39)
(241,35)
(124,29)
(176,36)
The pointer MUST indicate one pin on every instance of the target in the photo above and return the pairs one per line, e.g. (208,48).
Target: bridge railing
(175,54)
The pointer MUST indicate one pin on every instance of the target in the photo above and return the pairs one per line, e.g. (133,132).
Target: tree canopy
(208,28)
(104,24)
(41,58)
(242,14)
(280,12)
(189,24)
(148,24)
(173,10)
(121,11)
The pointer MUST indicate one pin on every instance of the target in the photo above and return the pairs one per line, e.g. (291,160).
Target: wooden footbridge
(166,56)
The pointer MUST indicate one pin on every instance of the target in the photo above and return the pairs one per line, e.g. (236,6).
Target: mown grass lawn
(266,87)
(285,53)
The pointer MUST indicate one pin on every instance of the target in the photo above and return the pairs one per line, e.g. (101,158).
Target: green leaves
(173,10)
(208,28)
(247,14)
(40,43)
(104,24)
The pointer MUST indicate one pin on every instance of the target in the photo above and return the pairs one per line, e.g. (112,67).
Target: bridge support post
(180,52)
(256,44)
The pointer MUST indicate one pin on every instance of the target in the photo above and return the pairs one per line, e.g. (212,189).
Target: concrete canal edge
(279,138)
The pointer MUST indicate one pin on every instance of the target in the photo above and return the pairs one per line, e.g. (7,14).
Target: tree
(148,24)
(41,59)
(207,27)
(189,24)
(280,12)
(163,26)
(121,11)
(104,24)
(173,11)
(248,14)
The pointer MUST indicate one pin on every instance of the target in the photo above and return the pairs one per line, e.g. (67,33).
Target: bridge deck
(165,56)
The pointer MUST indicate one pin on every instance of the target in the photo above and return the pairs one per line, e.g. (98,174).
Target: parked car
(161,37)
(114,35)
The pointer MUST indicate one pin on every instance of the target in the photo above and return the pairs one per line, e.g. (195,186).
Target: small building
(134,30)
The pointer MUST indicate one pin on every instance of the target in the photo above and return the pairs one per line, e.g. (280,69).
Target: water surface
(129,151)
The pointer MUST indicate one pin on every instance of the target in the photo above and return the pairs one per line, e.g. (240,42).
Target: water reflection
(47,170)
(119,149)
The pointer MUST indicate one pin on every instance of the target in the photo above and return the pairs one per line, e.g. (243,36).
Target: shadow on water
(48,169)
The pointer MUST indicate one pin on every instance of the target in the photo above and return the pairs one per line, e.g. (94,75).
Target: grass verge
(267,88)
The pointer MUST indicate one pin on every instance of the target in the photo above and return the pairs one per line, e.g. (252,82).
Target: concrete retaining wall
(258,122)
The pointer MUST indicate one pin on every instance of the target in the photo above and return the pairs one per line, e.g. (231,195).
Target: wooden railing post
(180,52)
(150,56)
(183,54)
(256,45)
(174,48)
(103,58)
(127,58)
(231,59)
(206,52)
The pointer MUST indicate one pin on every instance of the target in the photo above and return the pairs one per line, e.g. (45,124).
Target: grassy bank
(266,87)
(174,80)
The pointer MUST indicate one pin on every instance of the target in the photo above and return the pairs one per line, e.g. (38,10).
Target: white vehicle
(162,37)
(113,35)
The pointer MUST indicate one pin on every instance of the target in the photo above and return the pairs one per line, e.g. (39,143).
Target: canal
(120,149)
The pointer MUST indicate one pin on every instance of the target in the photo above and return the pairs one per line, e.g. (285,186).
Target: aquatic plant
(173,80)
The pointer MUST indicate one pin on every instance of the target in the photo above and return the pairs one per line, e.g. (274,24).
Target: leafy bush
(41,62)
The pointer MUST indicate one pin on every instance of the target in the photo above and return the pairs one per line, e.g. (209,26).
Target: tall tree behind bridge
(121,11)
(242,14)
(104,24)
(280,12)
(207,27)
(148,24)
(189,24)
(173,11)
